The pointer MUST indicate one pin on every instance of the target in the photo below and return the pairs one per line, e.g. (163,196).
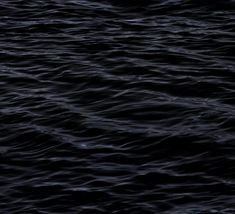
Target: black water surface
(117,106)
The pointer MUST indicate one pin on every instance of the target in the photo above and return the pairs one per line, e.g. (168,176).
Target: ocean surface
(117,107)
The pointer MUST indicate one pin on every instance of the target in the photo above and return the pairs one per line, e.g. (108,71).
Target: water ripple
(117,107)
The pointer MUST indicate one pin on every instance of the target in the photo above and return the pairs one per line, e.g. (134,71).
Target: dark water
(117,106)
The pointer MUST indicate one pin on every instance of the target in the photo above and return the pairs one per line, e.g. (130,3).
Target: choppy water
(109,107)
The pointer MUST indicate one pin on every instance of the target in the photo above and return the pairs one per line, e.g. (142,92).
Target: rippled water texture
(123,107)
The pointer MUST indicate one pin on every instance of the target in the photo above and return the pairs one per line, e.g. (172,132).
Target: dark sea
(117,107)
